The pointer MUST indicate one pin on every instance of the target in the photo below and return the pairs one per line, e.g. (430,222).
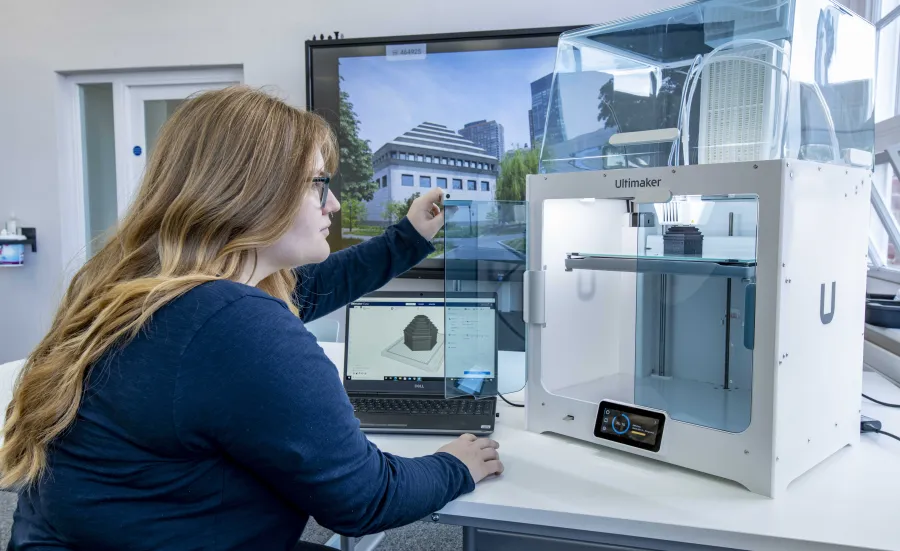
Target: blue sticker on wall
(137,151)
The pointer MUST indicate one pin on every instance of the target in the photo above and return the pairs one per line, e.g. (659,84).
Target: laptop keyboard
(422,406)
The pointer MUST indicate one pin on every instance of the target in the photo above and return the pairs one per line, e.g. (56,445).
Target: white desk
(566,489)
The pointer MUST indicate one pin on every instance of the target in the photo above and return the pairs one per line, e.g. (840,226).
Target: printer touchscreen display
(630,426)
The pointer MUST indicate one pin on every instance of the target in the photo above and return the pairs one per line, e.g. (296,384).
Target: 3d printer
(698,236)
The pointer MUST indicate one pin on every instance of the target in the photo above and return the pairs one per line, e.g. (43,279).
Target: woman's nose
(332,204)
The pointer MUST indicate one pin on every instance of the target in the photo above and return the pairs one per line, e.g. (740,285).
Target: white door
(109,125)
(148,107)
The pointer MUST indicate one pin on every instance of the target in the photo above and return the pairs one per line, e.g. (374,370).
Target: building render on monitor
(487,135)
(427,156)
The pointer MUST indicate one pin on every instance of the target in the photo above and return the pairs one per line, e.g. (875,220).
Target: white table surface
(851,501)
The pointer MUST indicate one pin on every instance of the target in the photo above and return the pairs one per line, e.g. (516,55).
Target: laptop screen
(397,342)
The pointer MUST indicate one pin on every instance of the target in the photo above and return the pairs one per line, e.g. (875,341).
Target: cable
(676,144)
(523,405)
(511,328)
(516,333)
(880,402)
(868,424)
(505,276)
(835,144)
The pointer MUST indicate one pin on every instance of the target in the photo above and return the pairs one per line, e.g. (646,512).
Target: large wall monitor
(462,112)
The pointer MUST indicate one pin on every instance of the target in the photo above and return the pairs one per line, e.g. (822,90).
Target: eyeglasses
(321,184)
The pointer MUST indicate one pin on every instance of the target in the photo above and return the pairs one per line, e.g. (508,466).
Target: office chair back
(325,330)
(306,546)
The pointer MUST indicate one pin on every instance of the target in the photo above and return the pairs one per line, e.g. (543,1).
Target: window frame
(880,269)
(887,149)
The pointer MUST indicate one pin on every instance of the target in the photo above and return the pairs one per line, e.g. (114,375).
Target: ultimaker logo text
(646,182)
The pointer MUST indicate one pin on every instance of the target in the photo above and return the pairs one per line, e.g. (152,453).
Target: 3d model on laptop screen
(420,335)
(420,345)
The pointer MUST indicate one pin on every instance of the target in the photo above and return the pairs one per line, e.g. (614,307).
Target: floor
(421,536)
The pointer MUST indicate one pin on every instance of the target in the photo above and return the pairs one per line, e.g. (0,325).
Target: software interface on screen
(392,339)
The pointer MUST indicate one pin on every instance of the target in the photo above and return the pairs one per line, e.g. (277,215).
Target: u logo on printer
(826,318)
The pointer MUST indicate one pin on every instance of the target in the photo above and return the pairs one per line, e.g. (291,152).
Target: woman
(177,401)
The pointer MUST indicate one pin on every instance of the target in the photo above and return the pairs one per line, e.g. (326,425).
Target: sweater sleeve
(254,384)
(351,273)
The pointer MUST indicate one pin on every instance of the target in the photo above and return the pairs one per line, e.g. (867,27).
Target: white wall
(39,38)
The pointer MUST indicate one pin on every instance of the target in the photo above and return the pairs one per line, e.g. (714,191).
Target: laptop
(394,362)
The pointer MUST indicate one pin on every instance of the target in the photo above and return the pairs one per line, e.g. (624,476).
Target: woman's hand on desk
(425,213)
(480,455)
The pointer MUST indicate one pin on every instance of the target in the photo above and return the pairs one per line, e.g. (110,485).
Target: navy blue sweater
(225,426)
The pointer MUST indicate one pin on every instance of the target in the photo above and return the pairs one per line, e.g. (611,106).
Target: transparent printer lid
(710,82)
(484,249)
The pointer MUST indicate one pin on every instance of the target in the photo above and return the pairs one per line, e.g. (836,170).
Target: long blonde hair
(227,176)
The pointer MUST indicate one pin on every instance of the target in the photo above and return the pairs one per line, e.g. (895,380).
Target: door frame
(70,147)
